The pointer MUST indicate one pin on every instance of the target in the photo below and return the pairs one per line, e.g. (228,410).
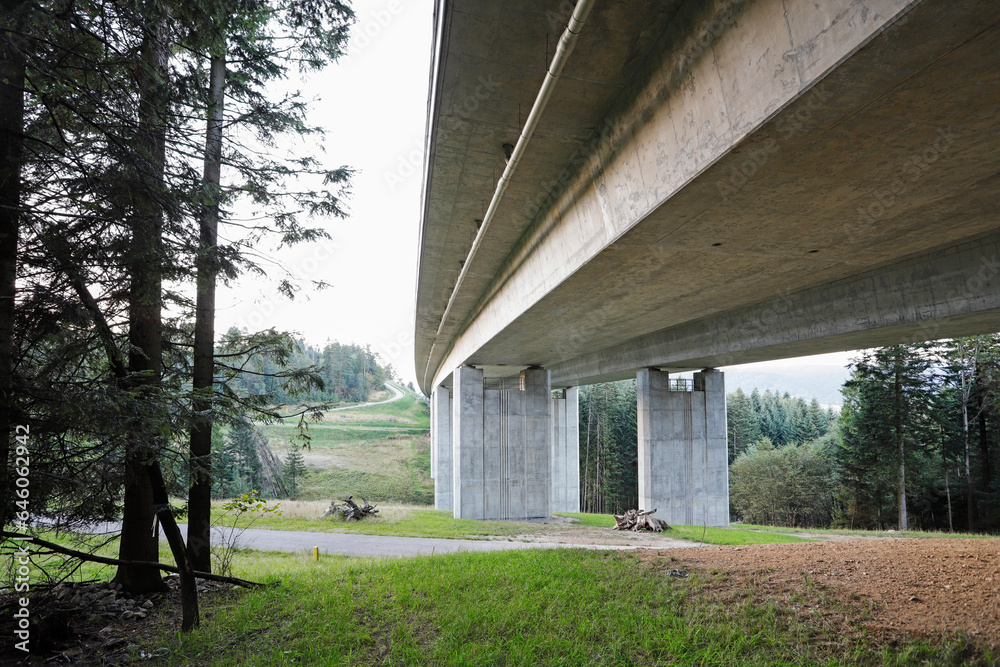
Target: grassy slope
(381,452)
(560,607)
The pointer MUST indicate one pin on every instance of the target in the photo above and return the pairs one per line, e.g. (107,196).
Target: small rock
(126,615)
(148,604)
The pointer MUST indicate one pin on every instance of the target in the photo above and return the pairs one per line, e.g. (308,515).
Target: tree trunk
(970,505)
(139,541)
(984,446)
(947,490)
(200,495)
(11,159)
(967,360)
(189,587)
(900,443)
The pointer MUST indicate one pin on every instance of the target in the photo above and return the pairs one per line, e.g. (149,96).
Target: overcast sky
(373,104)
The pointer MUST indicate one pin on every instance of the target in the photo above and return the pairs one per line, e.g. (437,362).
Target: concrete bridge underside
(712,183)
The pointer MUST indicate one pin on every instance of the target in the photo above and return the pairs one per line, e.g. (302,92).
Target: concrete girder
(840,141)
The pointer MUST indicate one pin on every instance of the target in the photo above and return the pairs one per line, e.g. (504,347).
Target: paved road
(381,546)
(353,544)
(396,395)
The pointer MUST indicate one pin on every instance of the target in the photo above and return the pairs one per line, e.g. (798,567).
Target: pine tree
(886,414)
(743,423)
(293,470)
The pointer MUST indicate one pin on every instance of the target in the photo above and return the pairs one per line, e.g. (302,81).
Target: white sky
(373,104)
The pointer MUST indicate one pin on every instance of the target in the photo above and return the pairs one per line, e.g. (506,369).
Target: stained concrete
(683,464)
(566,451)
(442,468)
(714,183)
(502,447)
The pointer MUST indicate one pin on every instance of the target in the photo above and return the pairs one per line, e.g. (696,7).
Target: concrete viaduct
(633,188)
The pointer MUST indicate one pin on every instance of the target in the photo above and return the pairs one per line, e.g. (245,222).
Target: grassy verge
(562,607)
(397,520)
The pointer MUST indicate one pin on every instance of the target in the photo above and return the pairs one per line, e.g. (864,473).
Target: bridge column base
(683,461)
(441,449)
(566,452)
(501,440)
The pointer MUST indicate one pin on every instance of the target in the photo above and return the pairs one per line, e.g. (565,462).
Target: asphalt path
(377,546)
(397,394)
(354,544)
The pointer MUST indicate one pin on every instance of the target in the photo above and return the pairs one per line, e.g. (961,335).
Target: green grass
(400,521)
(381,452)
(537,607)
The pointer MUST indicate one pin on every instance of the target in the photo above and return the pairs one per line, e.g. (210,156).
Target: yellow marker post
(315,553)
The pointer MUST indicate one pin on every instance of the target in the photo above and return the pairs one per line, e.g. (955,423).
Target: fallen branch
(83,555)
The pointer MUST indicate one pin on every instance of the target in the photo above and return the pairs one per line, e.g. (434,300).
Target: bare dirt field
(913,586)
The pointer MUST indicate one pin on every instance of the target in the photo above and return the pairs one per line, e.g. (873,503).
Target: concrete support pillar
(683,464)
(467,444)
(441,449)
(537,388)
(566,452)
(501,447)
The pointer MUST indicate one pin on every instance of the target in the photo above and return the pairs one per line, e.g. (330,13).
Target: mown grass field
(558,607)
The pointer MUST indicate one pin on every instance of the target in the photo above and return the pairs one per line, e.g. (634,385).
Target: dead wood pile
(350,510)
(639,520)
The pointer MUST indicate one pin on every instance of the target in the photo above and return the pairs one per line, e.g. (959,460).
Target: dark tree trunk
(189,587)
(984,446)
(139,540)
(11,158)
(903,520)
(200,494)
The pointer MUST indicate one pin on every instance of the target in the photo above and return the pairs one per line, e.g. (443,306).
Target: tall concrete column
(441,449)
(537,388)
(566,452)
(501,447)
(467,444)
(683,464)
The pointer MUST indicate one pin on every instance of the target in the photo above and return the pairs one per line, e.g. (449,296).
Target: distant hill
(822,382)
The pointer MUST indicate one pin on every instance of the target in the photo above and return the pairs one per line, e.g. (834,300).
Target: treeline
(116,224)
(781,419)
(609,467)
(917,445)
(245,463)
(609,479)
(349,373)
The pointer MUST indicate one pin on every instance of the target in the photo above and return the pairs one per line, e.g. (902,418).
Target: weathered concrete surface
(683,459)
(566,452)
(442,468)
(468,464)
(714,183)
(502,447)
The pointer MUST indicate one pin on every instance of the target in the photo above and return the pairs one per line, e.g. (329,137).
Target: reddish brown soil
(919,586)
